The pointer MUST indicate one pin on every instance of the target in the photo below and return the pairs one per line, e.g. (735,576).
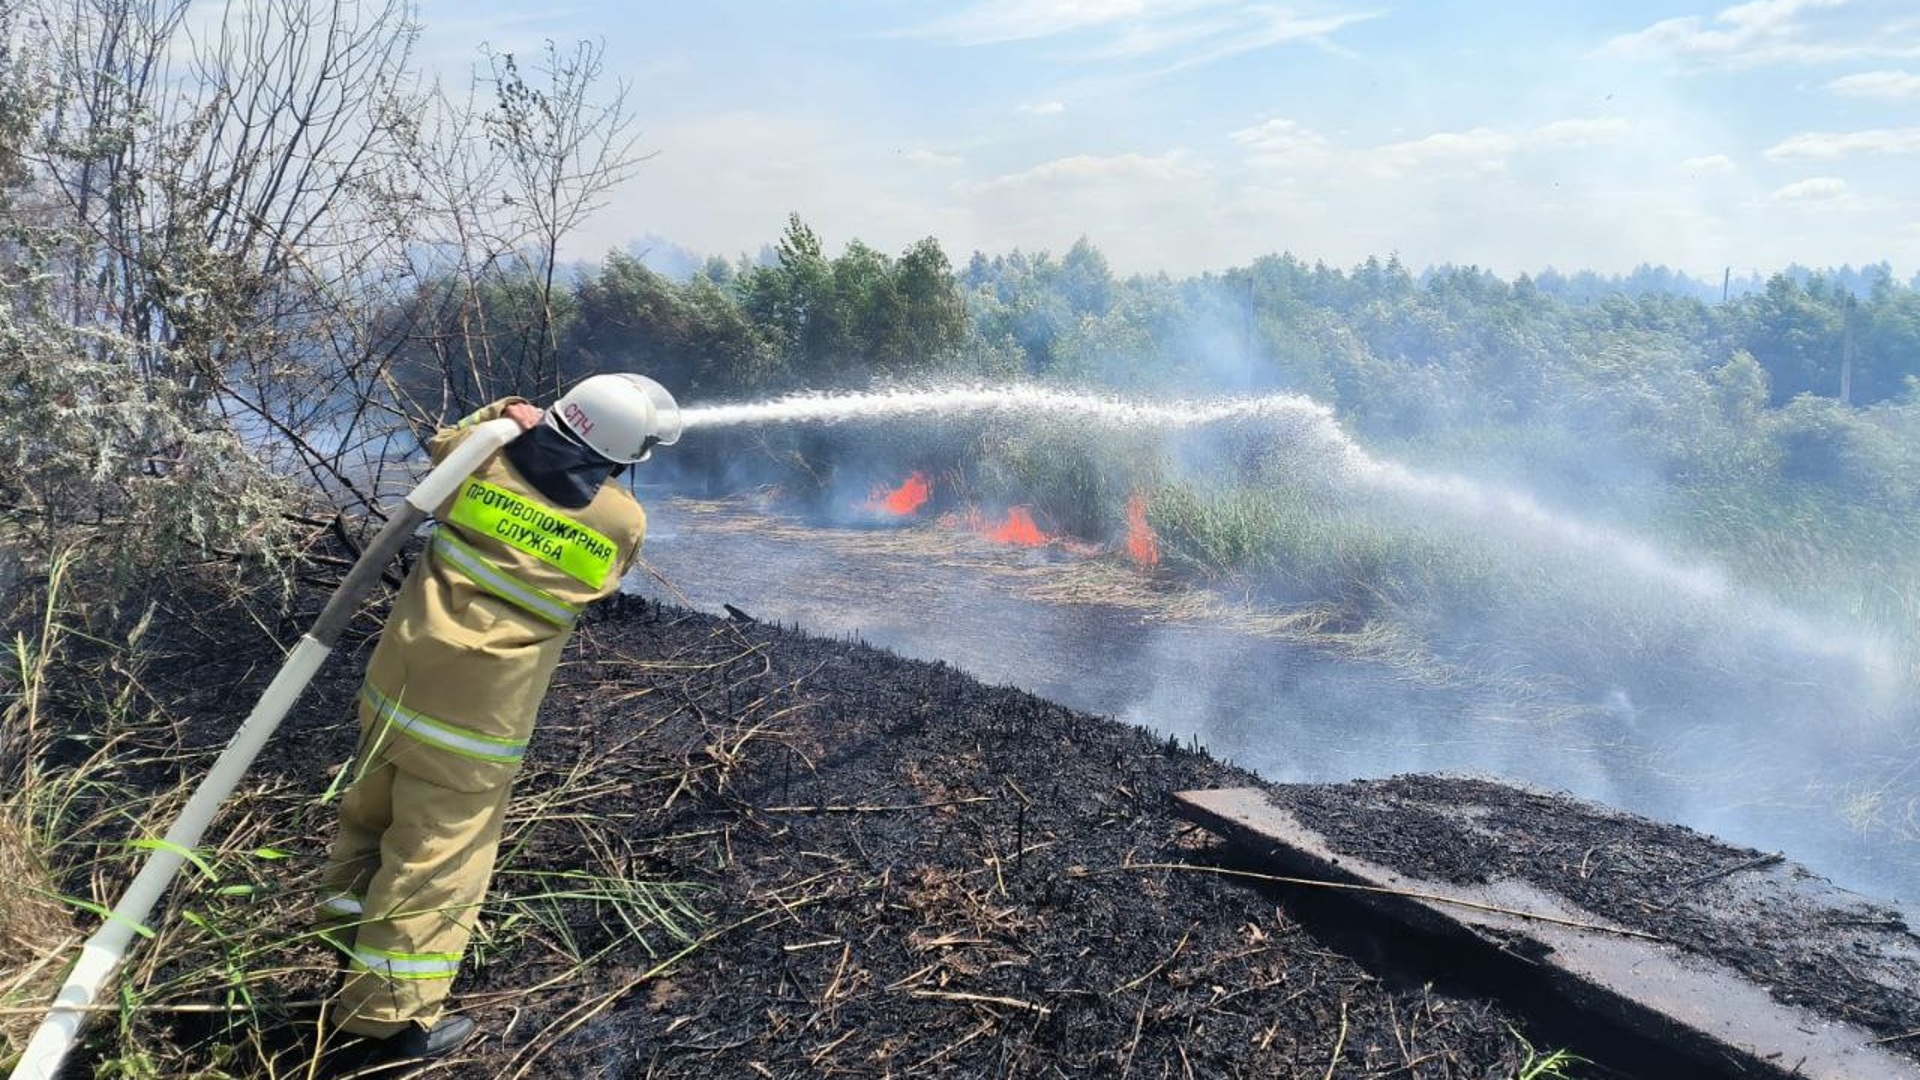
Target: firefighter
(535,534)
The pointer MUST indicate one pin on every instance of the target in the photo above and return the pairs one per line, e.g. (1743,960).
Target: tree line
(243,268)
(1800,382)
(800,318)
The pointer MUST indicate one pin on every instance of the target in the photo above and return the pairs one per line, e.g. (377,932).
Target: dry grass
(34,930)
(234,973)
(898,559)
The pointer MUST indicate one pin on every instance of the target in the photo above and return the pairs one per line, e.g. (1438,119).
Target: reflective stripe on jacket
(477,630)
(462,557)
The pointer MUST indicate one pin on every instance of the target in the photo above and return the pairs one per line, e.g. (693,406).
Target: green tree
(847,320)
(933,312)
(1797,336)
(1887,342)
(793,302)
(1084,281)
(1013,298)
(693,336)
(228,239)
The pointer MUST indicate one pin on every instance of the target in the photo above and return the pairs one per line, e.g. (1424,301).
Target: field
(738,850)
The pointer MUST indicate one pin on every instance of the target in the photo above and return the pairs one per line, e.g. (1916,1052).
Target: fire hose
(101,954)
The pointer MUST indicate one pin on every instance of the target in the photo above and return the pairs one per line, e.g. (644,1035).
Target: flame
(1019,529)
(911,495)
(1142,546)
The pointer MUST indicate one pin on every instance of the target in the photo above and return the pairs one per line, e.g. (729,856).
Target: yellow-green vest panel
(472,641)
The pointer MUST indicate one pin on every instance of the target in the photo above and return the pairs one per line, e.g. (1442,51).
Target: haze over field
(1350,389)
(1185,135)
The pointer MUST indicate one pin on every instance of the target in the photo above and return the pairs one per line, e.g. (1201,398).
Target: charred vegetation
(741,850)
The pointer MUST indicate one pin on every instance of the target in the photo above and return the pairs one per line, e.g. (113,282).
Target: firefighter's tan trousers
(415,858)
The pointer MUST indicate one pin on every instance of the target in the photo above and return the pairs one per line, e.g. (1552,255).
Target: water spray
(1312,424)
(1302,414)
(102,953)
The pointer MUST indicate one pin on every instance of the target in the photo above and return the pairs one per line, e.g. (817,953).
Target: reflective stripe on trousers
(399,965)
(482,572)
(438,733)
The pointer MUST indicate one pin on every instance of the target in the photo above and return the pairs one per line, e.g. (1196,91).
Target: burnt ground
(1835,953)
(881,867)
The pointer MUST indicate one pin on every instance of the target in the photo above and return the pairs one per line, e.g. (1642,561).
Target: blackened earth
(882,867)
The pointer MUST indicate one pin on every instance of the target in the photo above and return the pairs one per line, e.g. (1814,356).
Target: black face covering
(567,473)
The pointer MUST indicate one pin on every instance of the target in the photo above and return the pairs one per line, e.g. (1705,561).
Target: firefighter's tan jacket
(472,641)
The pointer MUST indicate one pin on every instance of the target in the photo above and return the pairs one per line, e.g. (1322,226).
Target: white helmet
(620,417)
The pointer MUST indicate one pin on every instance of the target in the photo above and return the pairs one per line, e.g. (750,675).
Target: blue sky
(1187,135)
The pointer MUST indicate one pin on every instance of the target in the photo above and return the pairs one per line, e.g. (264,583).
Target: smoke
(982,441)
(1677,585)
(1503,630)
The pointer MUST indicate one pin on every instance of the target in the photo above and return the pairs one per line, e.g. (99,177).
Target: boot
(418,1043)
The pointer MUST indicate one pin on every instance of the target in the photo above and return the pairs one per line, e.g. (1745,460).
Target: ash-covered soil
(880,867)
(1832,952)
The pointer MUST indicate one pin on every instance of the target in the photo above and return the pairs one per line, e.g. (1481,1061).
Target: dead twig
(870,808)
(921,1066)
(1340,1042)
(1133,1044)
(571,1020)
(1751,864)
(1157,968)
(824,1052)
(832,991)
(1895,1038)
(983,999)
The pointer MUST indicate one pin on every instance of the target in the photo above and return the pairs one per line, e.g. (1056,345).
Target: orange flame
(1142,546)
(911,495)
(1019,529)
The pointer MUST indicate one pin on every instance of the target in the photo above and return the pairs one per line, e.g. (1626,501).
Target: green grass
(1500,593)
(1553,1065)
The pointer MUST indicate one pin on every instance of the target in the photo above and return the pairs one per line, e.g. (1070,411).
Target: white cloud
(1709,164)
(724,182)
(1670,170)
(1149,37)
(1814,192)
(1482,149)
(1282,138)
(1275,28)
(1181,33)
(1087,170)
(1833,144)
(452,32)
(1146,211)
(1764,16)
(989,22)
(1579,190)
(1487,150)
(1770,32)
(920,155)
(1877,84)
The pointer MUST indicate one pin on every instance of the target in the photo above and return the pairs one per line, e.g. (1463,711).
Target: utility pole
(1726,284)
